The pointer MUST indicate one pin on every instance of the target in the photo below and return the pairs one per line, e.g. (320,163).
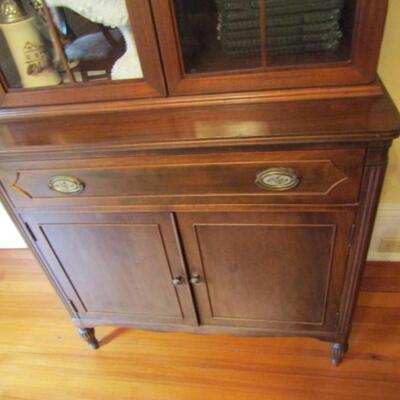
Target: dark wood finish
(358,119)
(264,270)
(374,173)
(381,277)
(353,135)
(152,84)
(242,260)
(367,36)
(124,270)
(88,335)
(115,106)
(276,82)
(325,176)
(56,234)
(338,352)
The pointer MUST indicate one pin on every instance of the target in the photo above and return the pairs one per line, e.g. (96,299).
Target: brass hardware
(178,281)
(195,279)
(12,11)
(277,179)
(66,184)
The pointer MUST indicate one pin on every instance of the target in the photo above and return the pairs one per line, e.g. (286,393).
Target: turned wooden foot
(338,350)
(87,334)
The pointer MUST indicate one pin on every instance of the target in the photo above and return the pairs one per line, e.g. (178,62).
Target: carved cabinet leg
(338,350)
(87,334)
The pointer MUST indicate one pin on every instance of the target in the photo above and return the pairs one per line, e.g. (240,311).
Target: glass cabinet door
(268,39)
(55,44)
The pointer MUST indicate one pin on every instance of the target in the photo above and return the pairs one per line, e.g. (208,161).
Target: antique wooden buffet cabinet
(208,166)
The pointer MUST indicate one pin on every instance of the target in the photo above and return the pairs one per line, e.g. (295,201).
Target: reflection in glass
(64,41)
(220,35)
(200,23)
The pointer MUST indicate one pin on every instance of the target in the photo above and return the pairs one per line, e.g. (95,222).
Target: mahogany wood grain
(374,173)
(381,277)
(267,270)
(38,349)
(292,122)
(246,97)
(325,176)
(338,136)
(116,266)
(116,256)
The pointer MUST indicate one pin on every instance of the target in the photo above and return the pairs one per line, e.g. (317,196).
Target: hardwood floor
(42,357)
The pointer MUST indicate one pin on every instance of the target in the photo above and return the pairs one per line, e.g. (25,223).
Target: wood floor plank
(41,356)
(381,277)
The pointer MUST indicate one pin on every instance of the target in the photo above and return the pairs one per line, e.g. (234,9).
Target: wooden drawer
(324,176)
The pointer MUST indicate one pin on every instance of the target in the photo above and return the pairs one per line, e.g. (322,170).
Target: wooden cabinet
(249,238)
(200,166)
(246,270)
(278,271)
(95,53)
(323,176)
(267,44)
(140,49)
(117,267)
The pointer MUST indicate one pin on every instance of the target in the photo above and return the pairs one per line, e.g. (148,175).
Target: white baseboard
(387,225)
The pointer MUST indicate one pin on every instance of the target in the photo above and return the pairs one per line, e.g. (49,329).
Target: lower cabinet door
(117,267)
(270,270)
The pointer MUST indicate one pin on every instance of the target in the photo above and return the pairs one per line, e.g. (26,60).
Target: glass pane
(64,41)
(205,27)
(309,31)
(220,35)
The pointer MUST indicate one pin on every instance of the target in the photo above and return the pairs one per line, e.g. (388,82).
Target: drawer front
(314,176)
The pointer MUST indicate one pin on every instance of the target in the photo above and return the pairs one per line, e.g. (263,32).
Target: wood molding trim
(373,182)
(256,97)
(359,68)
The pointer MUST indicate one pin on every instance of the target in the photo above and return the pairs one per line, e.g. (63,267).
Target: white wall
(9,236)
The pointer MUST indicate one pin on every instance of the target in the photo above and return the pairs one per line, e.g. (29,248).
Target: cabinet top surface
(276,122)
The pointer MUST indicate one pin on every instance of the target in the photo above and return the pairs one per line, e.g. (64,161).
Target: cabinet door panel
(117,266)
(268,44)
(267,270)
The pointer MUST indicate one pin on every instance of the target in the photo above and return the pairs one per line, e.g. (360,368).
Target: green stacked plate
(293,26)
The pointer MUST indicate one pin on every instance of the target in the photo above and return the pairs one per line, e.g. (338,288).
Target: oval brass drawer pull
(66,184)
(277,179)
